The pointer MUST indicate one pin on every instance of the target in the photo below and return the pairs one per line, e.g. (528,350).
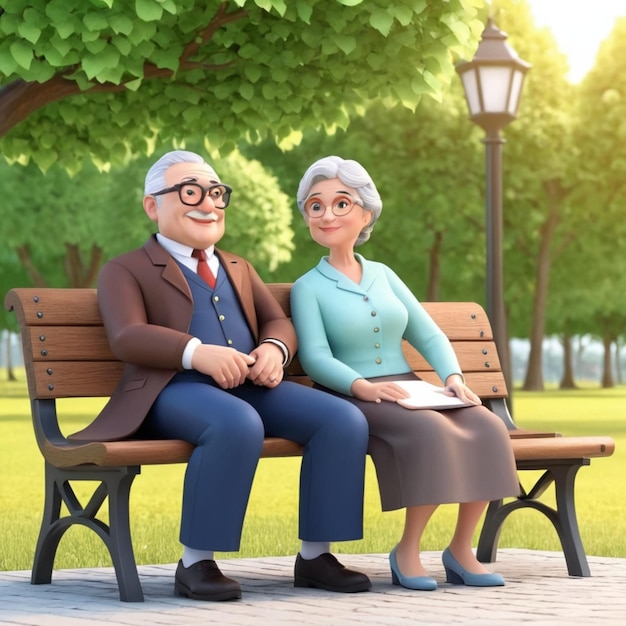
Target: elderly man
(205,344)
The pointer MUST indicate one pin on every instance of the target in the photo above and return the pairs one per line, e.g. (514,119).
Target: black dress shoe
(204,581)
(326,572)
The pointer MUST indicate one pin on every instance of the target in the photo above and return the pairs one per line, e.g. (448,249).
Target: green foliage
(427,166)
(258,221)
(66,227)
(121,75)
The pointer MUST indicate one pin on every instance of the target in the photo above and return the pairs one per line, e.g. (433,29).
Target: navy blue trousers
(228,426)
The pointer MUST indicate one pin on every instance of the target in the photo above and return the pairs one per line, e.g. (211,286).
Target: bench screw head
(35,298)
(44,353)
(494,389)
(49,371)
(50,387)
(39,314)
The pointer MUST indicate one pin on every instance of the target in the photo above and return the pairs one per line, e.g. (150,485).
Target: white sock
(313,549)
(191,556)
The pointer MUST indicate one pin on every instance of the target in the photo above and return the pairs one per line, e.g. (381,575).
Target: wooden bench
(66,354)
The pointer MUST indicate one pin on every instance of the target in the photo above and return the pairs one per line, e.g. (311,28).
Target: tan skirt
(437,457)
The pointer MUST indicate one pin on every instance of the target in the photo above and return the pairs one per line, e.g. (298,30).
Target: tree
(104,77)
(537,152)
(427,166)
(600,134)
(61,229)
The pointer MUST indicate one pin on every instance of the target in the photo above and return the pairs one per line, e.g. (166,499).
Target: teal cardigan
(348,331)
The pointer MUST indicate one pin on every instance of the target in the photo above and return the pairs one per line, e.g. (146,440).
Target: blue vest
(217,315)
(217,319)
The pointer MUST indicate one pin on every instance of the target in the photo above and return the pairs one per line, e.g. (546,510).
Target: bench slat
(157,452)
(51,307)
(145,452)
(70,343)
(74,379)
(473,356)
(562,448)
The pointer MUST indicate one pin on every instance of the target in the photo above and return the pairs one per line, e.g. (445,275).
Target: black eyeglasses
(193,194)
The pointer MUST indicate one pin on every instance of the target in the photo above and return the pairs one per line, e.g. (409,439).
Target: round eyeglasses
(193,194)
(341,205)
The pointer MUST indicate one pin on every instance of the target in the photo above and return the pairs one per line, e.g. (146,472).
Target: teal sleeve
(423,333)
(314,351)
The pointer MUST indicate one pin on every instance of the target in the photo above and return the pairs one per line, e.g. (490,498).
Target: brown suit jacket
(146,306)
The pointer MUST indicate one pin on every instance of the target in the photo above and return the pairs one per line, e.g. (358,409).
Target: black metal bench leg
(566,523)
(490,533)
(50,532)
(563,517)
(119,542)
(114,484)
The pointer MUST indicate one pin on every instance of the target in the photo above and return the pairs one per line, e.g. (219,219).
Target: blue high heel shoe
(458,575)
(421,583)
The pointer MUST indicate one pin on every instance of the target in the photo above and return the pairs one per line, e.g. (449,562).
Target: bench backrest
(66,352)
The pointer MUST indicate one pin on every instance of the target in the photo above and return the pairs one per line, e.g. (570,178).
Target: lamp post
(493,82)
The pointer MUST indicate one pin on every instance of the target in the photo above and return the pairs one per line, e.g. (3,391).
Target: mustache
(201,215)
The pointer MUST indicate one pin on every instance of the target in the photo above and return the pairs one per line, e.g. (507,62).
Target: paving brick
(538,591)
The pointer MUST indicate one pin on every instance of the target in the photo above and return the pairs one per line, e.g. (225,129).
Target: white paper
(424,395)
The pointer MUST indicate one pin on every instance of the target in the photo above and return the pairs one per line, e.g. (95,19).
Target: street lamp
(493,82)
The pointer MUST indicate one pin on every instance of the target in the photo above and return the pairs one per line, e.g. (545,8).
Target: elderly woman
(351,315)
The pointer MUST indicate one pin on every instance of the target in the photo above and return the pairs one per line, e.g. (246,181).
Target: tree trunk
(11,377)
(567,382)
(434,269)
(607,369)
(618,362)
(534,372)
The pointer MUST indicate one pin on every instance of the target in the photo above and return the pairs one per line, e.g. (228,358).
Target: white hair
(155,178)
(350,173)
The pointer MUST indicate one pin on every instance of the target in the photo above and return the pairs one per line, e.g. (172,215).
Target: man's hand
(268,367)
(228,367)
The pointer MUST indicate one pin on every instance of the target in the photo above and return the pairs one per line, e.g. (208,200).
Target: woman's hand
(377,392)
(455,386)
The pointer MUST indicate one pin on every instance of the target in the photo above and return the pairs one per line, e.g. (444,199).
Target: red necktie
(204,271)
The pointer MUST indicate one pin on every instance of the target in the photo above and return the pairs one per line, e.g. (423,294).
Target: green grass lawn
(271,522)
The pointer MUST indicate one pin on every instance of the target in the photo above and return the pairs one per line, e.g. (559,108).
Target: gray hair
(350,173)
(155,178)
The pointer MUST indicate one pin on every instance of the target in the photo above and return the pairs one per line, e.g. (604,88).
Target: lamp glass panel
(516,91)
(494,82)
(470,85)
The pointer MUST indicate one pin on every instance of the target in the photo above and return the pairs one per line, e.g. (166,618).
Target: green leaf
(95,21)
(350,3)
(8,64)
(404,15)
(133,85)
(30,32)
(148,10)
(305,10)
(246,91)
(121,24)
(252,73)
(346,44)
(381,20)
(22,53)
(45,159)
